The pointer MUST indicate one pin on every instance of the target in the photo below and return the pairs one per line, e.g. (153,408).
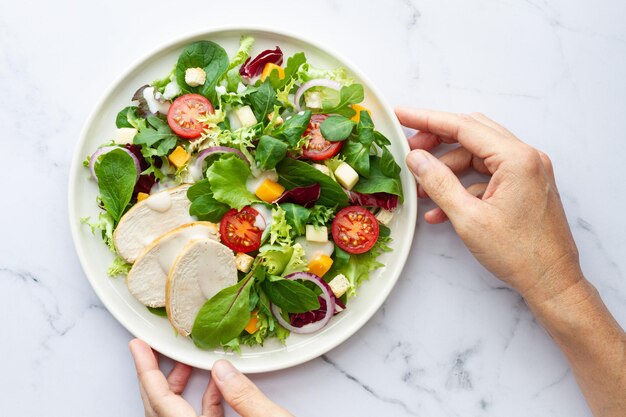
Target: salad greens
(300,192)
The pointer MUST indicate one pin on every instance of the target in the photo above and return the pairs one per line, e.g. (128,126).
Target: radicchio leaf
(143,108)
(253,67)
(383,200)
(304,196)
(302,319)
(145,182)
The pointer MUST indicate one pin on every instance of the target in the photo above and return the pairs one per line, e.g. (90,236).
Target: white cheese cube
(246,116)
(125,135)
(243,262)
(313,100)
(384,216)
(172,89)
(316,234)
(346,176)
(339,285)
(195,77)
(322,168)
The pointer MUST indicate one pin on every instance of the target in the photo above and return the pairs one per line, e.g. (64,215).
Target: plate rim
(401,250)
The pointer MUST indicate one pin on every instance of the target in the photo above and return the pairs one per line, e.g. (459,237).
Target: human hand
(515,224)
(162,396)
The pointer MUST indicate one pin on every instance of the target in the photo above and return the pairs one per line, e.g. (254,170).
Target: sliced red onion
(326,294)
(106,149)
(216,149)
(318,82)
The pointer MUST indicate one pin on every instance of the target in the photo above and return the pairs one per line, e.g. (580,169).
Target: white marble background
(450,340)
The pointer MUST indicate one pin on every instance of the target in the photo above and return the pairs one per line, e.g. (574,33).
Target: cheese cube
(322,168)
(357,116)
(125,135)
(243,262)
(316,234)
(246,116)
(384,216)
(195,77)
(142,196)
(179,157)
(269,190)
(339,285)
(346,176)
(320,265)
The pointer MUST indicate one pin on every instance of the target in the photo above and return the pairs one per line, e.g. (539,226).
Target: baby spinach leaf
(127,117)
(380,139)
(227,177)
(291,296)
(199,189)
(207,208)
(157,311)
(262,100)
(388,165)
(159,134)
(269,152)
(207,55)
(377,182)
(365,129)
(293,128)
(224,316)
(296,216)
(117,174)
(293,173)
(357,156)
(336,128)
(349,94)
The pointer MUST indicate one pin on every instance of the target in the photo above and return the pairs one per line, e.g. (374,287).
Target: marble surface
(450,340)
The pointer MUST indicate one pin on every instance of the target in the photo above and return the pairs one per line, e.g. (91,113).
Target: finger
(460,160)
(178,377)
(437,215)
(492,124)
(212,401)
(424,140)
(479,139)
(547,164)
(150,376)
(440,183)
(149,411)
(242,395)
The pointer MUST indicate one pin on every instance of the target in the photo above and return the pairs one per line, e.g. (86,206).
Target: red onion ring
(217,149)
(318,82)
(330,305)
(106,149)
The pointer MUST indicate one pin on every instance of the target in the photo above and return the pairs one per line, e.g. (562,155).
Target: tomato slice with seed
(318,147)
(355,229)
(240,231)
(184,112)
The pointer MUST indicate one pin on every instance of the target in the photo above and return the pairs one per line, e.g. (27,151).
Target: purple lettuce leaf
(305,196)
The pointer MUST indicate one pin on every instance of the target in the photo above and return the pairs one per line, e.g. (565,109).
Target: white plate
(156,331)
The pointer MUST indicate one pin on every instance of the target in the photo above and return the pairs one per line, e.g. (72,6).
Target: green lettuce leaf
(227,178)
(116,173)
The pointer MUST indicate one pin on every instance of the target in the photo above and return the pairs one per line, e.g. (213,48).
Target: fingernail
(417,162)
(224,370)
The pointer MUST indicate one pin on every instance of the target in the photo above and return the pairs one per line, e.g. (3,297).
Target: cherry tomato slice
(184,112)
(238,230)
(319,148)
(355,229)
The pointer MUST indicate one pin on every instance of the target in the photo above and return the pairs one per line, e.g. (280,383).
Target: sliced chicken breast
(148,276)
(201,270)
(149,219)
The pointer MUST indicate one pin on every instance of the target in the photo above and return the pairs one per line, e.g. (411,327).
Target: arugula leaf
(225,315)
(159,134)
(388,165)
(207,55)
(297,217)
(336,128)
(357,155)
(377,182)
(117,174)
(227,177)
(269,152)
(262,100)
(291,296)
(293,128)
(348,95)
(293,173)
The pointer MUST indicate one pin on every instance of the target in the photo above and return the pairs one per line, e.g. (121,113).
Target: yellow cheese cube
(269,190)
(179,157)
(357,108)
(142,196)
(269,67)
(320,265)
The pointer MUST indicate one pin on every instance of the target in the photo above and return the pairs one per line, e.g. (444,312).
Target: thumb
(242,395)
(440,183)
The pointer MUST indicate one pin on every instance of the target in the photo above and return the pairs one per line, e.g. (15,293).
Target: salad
(245,197)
